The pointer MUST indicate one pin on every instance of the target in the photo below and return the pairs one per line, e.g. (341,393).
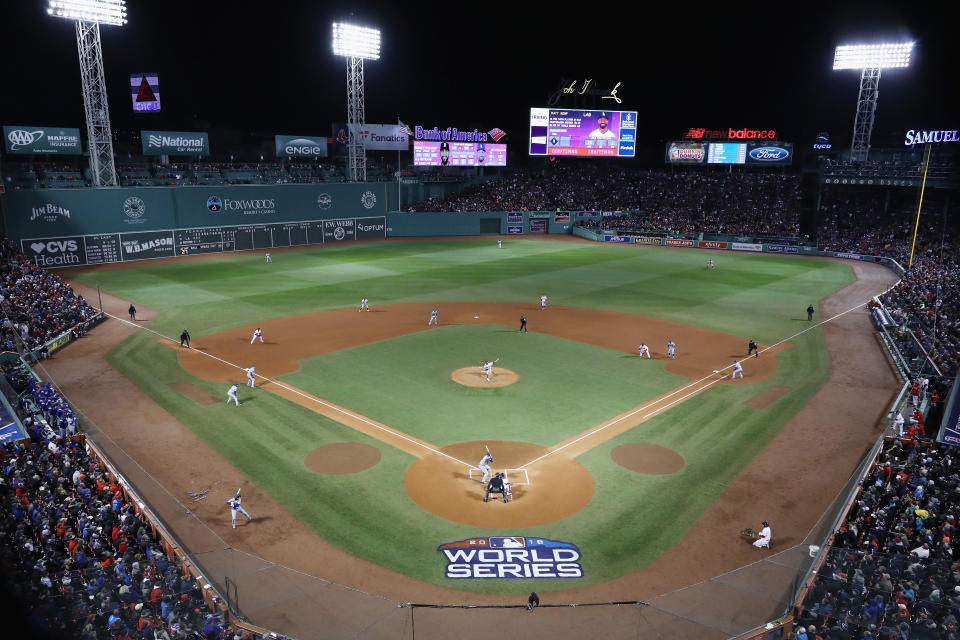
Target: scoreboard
(142,245)
(458,154)
(583,133)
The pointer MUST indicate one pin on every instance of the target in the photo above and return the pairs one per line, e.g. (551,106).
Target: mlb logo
(507,542)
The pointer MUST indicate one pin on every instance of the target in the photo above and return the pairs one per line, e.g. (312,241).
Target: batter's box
(514,476)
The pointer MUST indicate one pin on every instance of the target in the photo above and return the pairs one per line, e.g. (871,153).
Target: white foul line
(345,412)
(652,403)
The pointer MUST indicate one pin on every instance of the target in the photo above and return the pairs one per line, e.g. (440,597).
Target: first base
(476,317)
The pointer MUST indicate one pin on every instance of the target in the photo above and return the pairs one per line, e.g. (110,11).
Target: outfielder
(737,368)
(644,349)
(485,466)
(543,302)
(232,394)
(269,259)
(499,244)
(234,504)
(257,334)
(434,318)
(250,379)
(364,305)
(671,349)
(488,369)
(710,264)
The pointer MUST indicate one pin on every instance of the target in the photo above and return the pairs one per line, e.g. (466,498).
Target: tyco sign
(511,557)
(42,140)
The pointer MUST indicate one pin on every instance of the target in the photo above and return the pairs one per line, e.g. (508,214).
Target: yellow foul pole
(916,224)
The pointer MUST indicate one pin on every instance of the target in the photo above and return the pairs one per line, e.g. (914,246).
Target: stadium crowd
(893,571)
(37,305)
(662,200)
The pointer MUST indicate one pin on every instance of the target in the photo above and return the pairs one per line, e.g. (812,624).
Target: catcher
(761,540)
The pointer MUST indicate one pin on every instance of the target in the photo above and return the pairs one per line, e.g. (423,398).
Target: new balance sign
(175,143)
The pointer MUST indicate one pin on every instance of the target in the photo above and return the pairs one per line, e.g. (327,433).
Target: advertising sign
(511,557)
(371,228)
(339,230)
(538,225)
(384,137)
(459,154)
(175,143)
(782,248)
(514,217)
(701,133)
(746,246)
(924,137)
(300,146)
(770,153)
(617,239)
(686,152)
(647,240)
(55,252)
(712,244)
(561,216)
(145,92)
(575,132)
(950,426)
(60,140)
(515,230)
(677,242)
(142,245)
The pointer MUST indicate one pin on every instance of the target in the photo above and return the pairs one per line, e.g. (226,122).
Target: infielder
(737,368)
(234,504)
(232,394)
(543,302)
(763,542)
(488,369)
(671,349)
(364,305)
(434,318)
(251,382)
(485,466)
(644,349)
(269,259)
(257,334)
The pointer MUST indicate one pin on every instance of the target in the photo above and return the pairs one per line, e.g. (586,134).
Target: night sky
(267,68)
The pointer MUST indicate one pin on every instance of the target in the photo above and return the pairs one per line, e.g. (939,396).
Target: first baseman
(644,349)
(485,466)
(235,506)
(232,394)
(737,368)
(257,334)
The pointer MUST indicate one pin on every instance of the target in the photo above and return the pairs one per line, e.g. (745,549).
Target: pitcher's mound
(341,458)
(473,377)
(644,457)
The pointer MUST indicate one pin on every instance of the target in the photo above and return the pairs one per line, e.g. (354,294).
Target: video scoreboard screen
(727,153)
(458,154)
(577,132)
(145,92)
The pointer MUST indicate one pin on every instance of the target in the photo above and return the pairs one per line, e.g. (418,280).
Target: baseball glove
(749,534)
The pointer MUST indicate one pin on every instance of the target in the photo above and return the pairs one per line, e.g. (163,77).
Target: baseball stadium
(573,367)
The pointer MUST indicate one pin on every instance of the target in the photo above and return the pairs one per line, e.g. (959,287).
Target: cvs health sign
(56,252)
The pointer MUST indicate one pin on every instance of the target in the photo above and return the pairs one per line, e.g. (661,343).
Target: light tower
(89,15)
(356,44)
(869,59)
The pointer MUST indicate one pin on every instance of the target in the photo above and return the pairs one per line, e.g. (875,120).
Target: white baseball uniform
(485,467)
(543,302)
(898,424)
(488,370)
(434,318)
(251,381)
(269,259)
(235,506)
(499,244)
(763,542)
(232,394)
(644,349)
(257,334)
(364,305)
(737,368)
(672,349)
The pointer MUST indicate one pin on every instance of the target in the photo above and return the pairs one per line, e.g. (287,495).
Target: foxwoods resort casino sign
(511,557)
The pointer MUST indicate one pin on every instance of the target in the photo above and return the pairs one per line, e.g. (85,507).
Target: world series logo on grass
(511,557)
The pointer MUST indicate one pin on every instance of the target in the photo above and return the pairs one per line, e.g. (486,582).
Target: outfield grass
(761,296)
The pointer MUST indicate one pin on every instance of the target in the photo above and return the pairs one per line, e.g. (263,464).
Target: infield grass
(632,518)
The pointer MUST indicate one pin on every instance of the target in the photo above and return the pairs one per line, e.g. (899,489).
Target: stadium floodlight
(88,16)
(100,11)
(869,59)
(356,44)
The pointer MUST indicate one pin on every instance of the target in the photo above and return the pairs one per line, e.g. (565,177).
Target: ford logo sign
(769,154)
